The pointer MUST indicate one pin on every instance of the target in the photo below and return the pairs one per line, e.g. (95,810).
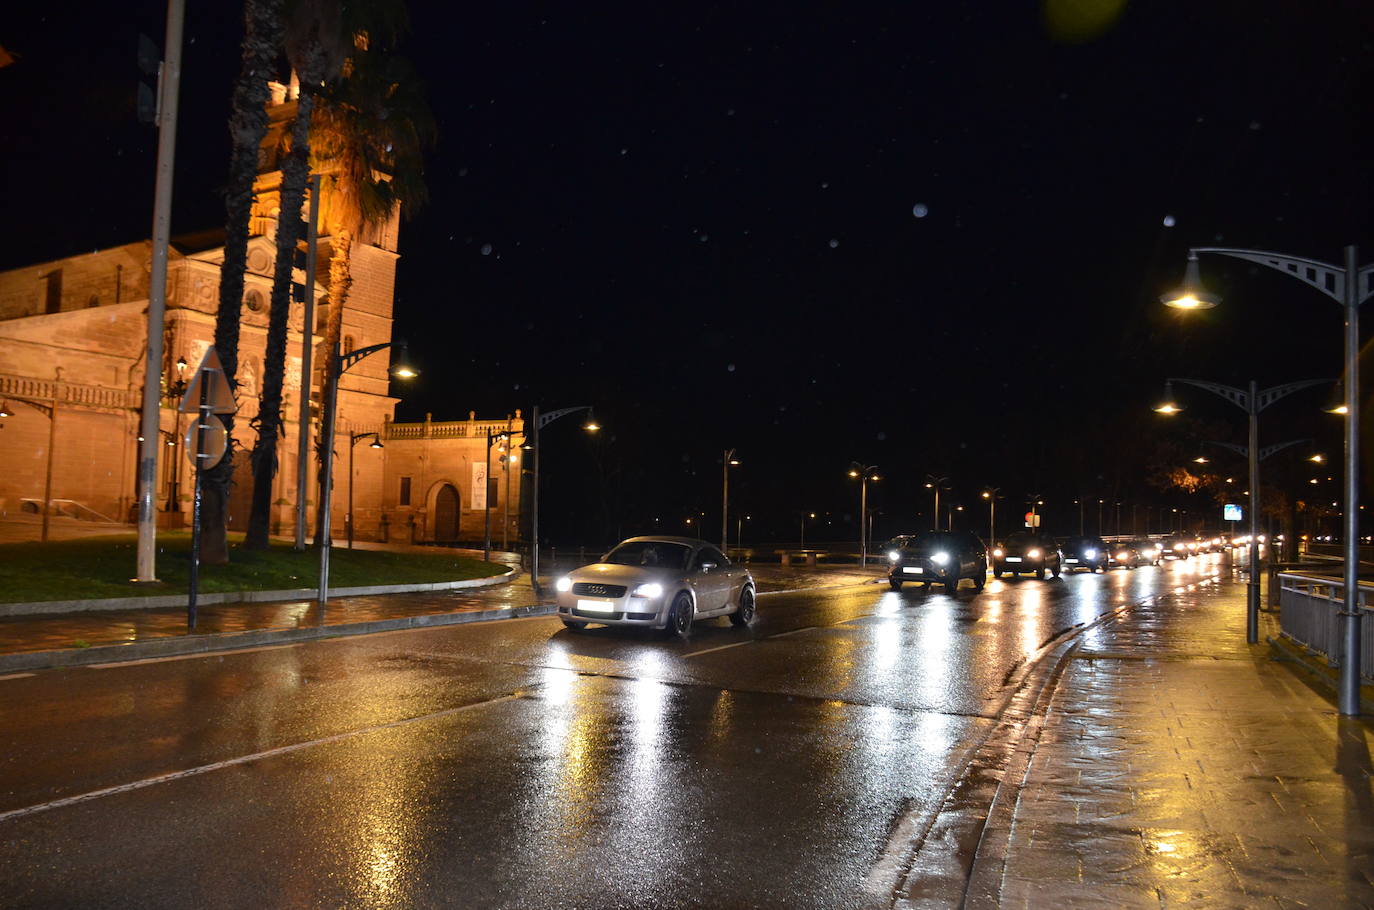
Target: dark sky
(702,219)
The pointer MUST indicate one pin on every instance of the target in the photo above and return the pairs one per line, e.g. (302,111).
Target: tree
(370,134)
(262,43)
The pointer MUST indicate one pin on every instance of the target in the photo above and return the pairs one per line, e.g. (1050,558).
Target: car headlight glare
(940,559)
(649,589)
(1033,554)
(893,556)
(1090,553)
(563,584)
(997,552)
(1123,555)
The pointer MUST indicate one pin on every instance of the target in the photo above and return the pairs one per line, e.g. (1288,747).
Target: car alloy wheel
(745,614)
(680,617)
(980,577)
(895,583)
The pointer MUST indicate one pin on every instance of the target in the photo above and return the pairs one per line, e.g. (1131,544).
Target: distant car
(1091,553)
(1178,547)
(943,556)
(1027,552)
(1131,554)
(659,582)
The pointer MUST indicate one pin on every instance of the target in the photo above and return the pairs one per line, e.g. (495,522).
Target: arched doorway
(446,514)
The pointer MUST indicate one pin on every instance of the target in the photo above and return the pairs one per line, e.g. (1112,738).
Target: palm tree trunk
(262,42)
(295,172)
(340,282)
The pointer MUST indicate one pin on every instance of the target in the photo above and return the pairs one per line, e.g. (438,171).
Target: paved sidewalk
(1178,765)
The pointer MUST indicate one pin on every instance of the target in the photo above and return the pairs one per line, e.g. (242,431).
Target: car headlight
(1179,546)
(563,584)
(649,589)
(1033,554)
(1090,553)
(939,559)
(997,552)
(893,556)
(1123,555)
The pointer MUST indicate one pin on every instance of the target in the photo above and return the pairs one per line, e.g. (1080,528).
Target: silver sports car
(661,582)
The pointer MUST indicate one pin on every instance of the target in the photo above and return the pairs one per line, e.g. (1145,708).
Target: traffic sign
(1032,520)
(219,398)
(215,442)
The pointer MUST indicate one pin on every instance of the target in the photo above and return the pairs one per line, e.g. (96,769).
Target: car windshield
(1023,540)
(1083,542)
(933,539)
(659,554)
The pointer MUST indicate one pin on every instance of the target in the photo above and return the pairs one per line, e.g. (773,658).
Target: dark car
(1178,547)
(1027,552)
(1131,554)
(1091,553)
(943,556)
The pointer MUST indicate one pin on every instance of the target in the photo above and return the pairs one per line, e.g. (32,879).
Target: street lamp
(1349,286)
(175,389)
(1251,402)
(486,492)
(50,411)
(1079,503)
(342,363)
(805,515)
(540,421)
(864,473)
(951,516)
(727,460)
(990,495)
(934,483)
(353,441)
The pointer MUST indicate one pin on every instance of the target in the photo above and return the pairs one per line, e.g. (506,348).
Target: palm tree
(262,43)
(370,134)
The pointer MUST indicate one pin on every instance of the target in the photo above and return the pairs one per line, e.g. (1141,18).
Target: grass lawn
(102,566)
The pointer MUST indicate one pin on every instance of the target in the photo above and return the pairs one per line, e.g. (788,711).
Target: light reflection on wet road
(516,764)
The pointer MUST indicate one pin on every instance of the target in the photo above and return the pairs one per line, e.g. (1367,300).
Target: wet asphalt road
(515,764)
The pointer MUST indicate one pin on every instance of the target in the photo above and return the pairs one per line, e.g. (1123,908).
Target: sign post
(207,395)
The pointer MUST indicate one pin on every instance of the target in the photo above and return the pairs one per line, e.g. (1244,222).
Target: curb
(233,641)
(162,601)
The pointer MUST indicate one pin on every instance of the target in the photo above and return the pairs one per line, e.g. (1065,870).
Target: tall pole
(1080,518)
(47,477)
(486,503)
(937,507)
(1350,661)
(327,478)
(992,518)
(307,351)
(505,470)
(170,84)
(352,444)
(1252,583)
(725,499)
(534,505)
(863,519)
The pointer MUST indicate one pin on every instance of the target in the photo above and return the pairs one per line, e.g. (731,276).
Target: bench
(810,556)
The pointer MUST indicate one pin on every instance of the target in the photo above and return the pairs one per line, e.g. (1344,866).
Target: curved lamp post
(935,483)
(990,494)
(353,441)
(1251,402)
(728,461)
(540,421)
(1349,285)
(343,363)
(486,497)
(864,473)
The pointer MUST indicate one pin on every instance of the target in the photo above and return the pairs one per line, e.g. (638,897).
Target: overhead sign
(215,442)
(209,376)
(1232,512)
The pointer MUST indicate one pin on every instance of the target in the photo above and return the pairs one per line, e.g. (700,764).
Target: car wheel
(951,584)
(680,617)
(573,625)
(745,614)
(996,572)
(1040,572)
(1058,567)
(896,583)
(981,578)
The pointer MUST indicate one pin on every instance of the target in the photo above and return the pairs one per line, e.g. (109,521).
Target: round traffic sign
(214,441)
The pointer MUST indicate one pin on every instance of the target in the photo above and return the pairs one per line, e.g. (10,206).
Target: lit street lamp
(353,441)
(727,460)
(934,483)
(1251,402)
(540,421)
(342,364)
(486,493)
(805,515)
(864,473)
(175,389)
(990,495)
(1349,286)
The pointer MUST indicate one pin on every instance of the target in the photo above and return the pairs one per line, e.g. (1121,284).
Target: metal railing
(1310,614)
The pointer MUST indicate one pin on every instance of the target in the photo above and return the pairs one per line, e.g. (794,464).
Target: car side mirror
(707,566)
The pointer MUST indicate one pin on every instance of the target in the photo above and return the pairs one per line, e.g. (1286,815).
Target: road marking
(15,676)
(244,759)
(159,660)
(734,644)
(795,631)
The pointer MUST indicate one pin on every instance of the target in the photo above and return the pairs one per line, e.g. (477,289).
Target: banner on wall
(479,487)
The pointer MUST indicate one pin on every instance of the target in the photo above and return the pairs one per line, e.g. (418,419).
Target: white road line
(735,644)
(15,676)
(242,759)
(794,632)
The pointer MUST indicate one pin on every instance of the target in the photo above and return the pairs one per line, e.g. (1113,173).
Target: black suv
(1089,553)
(943,556)
(1027,552)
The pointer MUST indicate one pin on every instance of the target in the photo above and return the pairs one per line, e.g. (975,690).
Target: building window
(50,289)
(405,491)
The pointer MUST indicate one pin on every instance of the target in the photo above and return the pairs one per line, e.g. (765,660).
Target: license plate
(1013,559)
(1071,560)
(913,570)
(595,606)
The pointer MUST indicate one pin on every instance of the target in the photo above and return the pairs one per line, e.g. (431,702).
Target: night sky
(929,237)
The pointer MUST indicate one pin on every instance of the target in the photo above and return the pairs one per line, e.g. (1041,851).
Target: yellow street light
(1191,296)
(1168,405)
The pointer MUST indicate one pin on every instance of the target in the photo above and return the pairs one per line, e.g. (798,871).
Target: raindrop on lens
(920,210)
(1168,220)
(486,249)
(834,243)
(730,368)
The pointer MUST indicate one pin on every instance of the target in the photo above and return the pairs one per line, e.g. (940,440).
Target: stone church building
(73,339)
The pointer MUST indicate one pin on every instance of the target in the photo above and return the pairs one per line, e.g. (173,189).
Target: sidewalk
(1176,764)
(68,639)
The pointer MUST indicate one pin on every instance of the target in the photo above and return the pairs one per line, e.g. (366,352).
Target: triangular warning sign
(210,376)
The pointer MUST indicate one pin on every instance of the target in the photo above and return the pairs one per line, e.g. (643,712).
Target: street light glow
(1191,296)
